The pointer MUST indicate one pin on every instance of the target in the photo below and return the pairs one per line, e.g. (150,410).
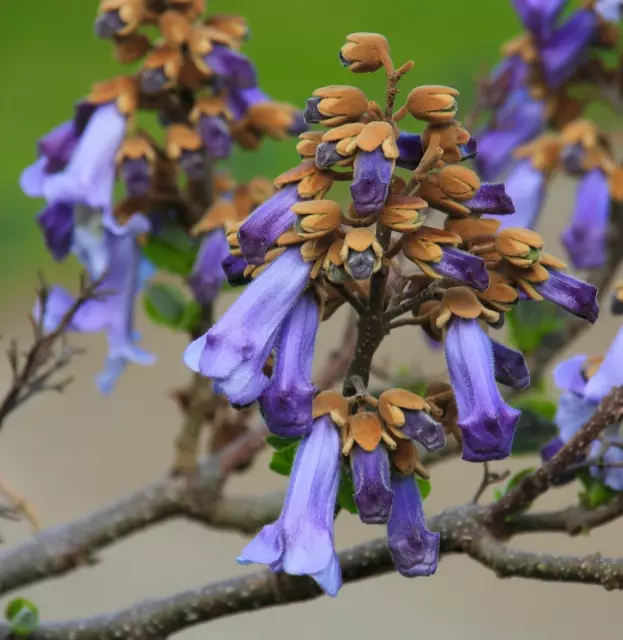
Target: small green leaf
(530,322)
(595,493)
(283,459)
(191,317)
(532,433)
(536,402)
(516,479)
(424,486)
(172,250)
(165,304)
(23,616)
(346,492)
(276,442)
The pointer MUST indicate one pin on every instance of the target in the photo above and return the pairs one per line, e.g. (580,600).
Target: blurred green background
(50,58)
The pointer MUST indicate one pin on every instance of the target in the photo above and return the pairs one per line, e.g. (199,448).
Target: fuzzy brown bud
(458,182)
(365,52)
(433,103)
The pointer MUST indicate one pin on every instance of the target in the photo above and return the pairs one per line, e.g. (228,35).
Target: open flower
(207,275)
(286,404)
(539,16)
(585,237)
(414,549)
(234,351)
(301,541)
(114,312)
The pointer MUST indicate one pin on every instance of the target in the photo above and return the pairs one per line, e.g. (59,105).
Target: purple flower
(233,67)
(56,222)
(520,119)
(414,549)
(549,450)
(240,101)
(423,428)
(371,478)
(567,47)
(462,266)
(207,275)
(411,150)
(525,186)
(88,176)
(216,136)
(301,541)
(234,351)
(372,176)
(114,312)
(267,223)
(54,151)
(539,16)
(108,24)
(491,198)
(569,293)
(486,421)
(234,267)
(286,403)
(327,155)
(585,237)
(136,176)
(510,367)
(610,372)
(609,9)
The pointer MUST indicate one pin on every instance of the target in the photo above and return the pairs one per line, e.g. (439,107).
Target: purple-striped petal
(371,478)
(572,295)
(370,186)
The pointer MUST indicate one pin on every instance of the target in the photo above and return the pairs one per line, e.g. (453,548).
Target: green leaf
(191,317)
(172,250)
(595,493)
(516,479)
(277,442)
(165,305)
(346,492)
(529,322)
(424,486)
(533,431)
(283,459)
(536,402)
(23,616)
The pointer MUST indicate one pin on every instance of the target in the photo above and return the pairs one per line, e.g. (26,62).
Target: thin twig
(19,504)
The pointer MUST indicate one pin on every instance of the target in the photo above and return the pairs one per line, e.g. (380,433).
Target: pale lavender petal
(610,372)
(572,413)
(609,10)
(207,276)
(414,549)
(371,478)
(286,403)
(568,375)
(585,237)
(486,421)
(525,186)
(33,178)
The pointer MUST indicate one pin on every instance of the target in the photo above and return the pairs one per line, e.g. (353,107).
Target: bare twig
(489,478)
(19,504)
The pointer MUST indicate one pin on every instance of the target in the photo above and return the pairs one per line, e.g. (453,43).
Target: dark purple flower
(193,164)
(519,120)
(486,421)
(327,155)
(267,223)
(136,176)
(56,222)
(234,351)
(585,237)
(411,150)
(372,176)
(234,267)
(509,75)
(510,367)
(286,403)
(491,198)
(469,150)
(549,450)
(525,186)
(573,157)
(462,266)
(539,16)
(240,101)
(301,541)
(114,312)
(108,24)
(233,67)
(153,81)
(298,125)
(423,428)
(567,47)
(371,479)
(312,113)
(207,275)
(57,146)
(414,549)
(216,136)
(572,295)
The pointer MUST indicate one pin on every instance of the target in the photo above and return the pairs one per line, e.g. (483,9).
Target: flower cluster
(304,254)
(585,382)
(204,93)
(537,97)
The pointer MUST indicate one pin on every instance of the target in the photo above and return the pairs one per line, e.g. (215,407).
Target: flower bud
(316,218)
(118,17)
(521,247)
(433,103)
(458,182)
(364,52)
(402,213)
(161,69)
(361,253)
(335,105)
